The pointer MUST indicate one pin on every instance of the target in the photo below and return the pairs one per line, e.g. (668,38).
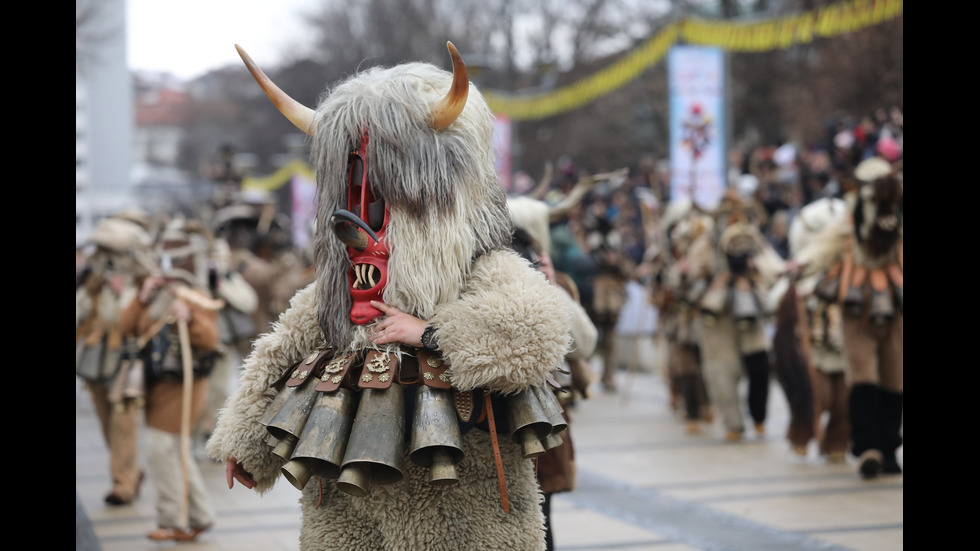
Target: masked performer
(860,263)
(404,391)
(734,344)
(807,345)
(174,320)
(114,271)
(687,230)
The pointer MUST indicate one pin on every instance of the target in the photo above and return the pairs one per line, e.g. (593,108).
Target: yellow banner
(278,178)
(759,36)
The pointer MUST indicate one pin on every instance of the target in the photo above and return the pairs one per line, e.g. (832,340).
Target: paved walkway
(644,485)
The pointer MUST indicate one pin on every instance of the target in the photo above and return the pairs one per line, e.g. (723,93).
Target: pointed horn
(445,111)
(583,186)
(296,112)
(542,189)
(351,230)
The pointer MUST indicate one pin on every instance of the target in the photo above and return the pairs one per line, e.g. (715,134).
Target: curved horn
(296,112)
(542,189)
(351,230)
(445,111)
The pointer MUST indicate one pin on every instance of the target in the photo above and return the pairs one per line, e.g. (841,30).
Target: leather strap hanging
(847,269)
(488,409)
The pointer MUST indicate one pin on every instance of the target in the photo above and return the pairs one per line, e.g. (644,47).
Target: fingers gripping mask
(363,227)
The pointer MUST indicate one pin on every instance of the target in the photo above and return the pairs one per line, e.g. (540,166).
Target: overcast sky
(189,37)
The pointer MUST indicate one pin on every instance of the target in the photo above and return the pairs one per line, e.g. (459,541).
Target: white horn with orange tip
(296,112)
(445,111)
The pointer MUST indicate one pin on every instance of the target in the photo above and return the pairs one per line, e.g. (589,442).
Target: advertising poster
(697,117)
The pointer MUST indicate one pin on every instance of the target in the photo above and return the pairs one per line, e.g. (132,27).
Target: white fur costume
(733,339)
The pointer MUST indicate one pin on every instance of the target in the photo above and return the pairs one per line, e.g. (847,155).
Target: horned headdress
(407,191)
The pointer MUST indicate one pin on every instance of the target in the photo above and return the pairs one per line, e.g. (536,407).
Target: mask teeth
(365,276)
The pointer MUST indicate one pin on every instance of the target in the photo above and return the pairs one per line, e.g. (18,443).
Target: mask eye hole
(360,199)
(376,215)
(356,182)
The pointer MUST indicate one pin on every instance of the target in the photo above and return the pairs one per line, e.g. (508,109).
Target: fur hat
(135,215)
(120,235)
(182,239)
(812,219)
(126,243)
(871,169)
(531,215)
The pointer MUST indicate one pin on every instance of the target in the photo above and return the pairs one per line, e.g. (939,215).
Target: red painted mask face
(362,227)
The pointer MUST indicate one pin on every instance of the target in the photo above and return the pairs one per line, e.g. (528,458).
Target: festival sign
(696,80)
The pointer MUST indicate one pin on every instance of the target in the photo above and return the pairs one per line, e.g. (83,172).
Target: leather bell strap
(335,370)
(379,370)
(488,408)
(309,367)
(432,369)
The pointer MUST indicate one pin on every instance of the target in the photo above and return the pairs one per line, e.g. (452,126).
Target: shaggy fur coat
(501,326)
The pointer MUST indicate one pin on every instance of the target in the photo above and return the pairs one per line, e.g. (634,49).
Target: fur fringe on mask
(447,205)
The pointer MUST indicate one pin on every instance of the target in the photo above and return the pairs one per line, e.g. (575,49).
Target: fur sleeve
(239,433)
(507,331)
(584,334)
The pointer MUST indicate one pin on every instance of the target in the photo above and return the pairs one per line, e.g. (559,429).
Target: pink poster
(501,148)
(303,191)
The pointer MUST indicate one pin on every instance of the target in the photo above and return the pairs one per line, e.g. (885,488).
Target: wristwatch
(429,341)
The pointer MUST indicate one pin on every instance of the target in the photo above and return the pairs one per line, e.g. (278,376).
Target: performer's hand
(791,268)
(234,471)
(397,326)
(547,267)
(151,285)
(181,310)
(116,283)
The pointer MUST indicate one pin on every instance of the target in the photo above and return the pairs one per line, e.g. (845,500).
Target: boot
(863,407)
(890,426)
(688,387)
(757,366)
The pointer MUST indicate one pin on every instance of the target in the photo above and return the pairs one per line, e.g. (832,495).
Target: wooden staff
(187,295)
(185,419)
